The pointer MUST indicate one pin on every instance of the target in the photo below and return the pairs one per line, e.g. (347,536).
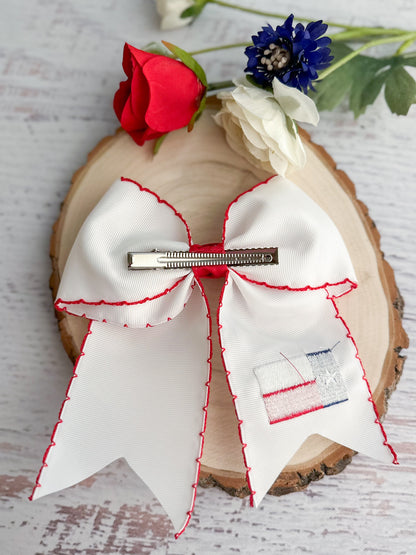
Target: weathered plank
(60,65)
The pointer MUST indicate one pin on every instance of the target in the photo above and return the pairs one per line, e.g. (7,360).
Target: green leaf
(352,79)
(192,11)
(195,9)
(197,113)
(365,91)
(252,81)
(400,91)
(188,60)
(362,79)
(332,90)
(157,48)
(158,143)
(371,92)
(339,50)
(406,60)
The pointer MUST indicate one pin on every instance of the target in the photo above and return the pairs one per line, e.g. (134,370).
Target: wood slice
(199,175)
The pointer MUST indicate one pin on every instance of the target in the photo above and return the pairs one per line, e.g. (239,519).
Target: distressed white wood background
(60,65)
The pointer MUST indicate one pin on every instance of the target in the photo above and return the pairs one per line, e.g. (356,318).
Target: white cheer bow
(140,386)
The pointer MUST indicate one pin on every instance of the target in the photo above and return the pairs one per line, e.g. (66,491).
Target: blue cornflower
(292,54)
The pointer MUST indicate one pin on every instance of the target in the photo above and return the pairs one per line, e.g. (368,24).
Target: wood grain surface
(60,65)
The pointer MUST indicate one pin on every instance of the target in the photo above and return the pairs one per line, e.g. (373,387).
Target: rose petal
(175,93)
(132,98)
(140,56)
(143,135)
(121,97)
(133,114)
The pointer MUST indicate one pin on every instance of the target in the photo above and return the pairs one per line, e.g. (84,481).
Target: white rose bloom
(259,123)
(170,12)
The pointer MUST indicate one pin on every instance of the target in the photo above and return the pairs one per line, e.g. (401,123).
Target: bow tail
(140,394)
(294,370)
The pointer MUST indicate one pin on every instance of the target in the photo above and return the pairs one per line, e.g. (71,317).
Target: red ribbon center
(209,271)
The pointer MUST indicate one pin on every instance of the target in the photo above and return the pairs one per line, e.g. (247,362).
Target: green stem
(370,44)
(404,46)
(343,36)
(219,85)
(223,47)
(409,54)
(363,33)
(270,14)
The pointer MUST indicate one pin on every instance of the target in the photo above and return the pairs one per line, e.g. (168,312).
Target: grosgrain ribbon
(140,387)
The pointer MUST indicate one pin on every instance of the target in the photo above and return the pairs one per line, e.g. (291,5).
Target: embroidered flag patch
(301,384)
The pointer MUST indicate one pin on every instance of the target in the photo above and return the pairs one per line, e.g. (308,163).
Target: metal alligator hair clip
(157,260)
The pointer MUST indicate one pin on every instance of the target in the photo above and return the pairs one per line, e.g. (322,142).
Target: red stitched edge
(281,287)
(296,414)
(148,324)
(291,388)
(60,301)
(227,212)
(204,409)
(364,376)
(59,421)
(305,288)
(234,397)
(227,372)
(141,301)
(161,201)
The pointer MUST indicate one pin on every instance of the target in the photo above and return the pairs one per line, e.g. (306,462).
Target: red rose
(160,95)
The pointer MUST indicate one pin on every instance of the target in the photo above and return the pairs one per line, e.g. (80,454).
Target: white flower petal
(288,144)
(261,154)
(279,163)
(295,103)
(255,122)
(170,13)
(259,126)
(255,138)
(261,105)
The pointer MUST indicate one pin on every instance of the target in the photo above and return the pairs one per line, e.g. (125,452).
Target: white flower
(170,12)
(259,123)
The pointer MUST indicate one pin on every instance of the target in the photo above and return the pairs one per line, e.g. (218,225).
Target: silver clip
(168,260)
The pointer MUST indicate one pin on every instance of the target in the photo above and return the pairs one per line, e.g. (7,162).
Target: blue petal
(323,41)
(314,57)
(289,22)
(323,65)
(303,80)
(250,51)
(284,33)
(309,53)
(299,28)
(317,28)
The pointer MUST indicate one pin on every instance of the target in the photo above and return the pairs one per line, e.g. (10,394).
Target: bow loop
(312,253)
(96,282)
